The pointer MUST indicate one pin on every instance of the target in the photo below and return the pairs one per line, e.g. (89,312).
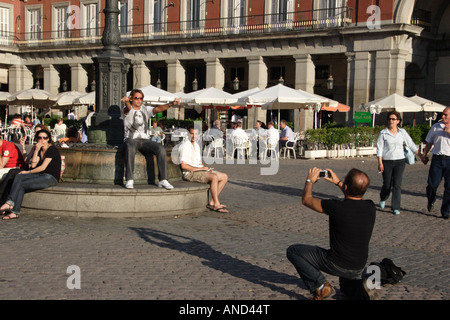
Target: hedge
(330,136)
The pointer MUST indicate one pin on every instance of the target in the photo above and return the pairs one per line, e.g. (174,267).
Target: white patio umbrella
(32,97)
(3,96)
(283,97)
(156,95)
(86,99)
(393,102)
(207,97)
(67,99)
(430,107)
(243,95)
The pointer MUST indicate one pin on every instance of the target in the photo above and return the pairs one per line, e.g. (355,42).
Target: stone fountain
(93,177)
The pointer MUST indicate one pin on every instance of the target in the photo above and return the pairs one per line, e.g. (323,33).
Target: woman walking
(45,171)
(391,159)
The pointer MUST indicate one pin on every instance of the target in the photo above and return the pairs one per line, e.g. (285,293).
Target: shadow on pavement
(219,261)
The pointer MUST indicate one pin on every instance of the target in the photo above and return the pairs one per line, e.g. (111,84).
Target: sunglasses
(42,138)
(138,98)
(393,119)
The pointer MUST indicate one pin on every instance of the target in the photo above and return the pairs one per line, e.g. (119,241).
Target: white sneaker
(129,184)
(165,184)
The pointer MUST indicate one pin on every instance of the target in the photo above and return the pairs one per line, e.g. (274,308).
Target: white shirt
(272,135)
(239,133)
(136,123)
(439,138)
(190,154)
(390,147)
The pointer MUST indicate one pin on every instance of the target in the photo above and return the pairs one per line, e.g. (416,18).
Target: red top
(11,151)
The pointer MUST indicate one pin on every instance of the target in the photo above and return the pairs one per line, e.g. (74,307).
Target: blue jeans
(310,260)
(392,179)
(26,183)
(439,168)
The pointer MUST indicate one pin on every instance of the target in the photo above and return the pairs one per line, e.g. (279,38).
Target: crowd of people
(351,219)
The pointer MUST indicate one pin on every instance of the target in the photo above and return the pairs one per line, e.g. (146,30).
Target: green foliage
(331,135)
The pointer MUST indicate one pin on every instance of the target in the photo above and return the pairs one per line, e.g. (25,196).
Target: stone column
(141,74)
(215,73)
(397,75)
(51,79)
(19,78)
(305,78)
(305,73)
(176,80)
(257,78)
(79,77)
(361,80)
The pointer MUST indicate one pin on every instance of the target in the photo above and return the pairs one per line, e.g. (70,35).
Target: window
(89,19)
(125,16)
(330,12)
(4,25)
(236,12)
(60,22)
(33,23)
(195,14)
(156,15)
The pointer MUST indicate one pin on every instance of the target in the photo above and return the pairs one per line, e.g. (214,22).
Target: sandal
(11,216)
(211,207)
(220,210)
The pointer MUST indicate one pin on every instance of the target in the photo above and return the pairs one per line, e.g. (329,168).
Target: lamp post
(111,68)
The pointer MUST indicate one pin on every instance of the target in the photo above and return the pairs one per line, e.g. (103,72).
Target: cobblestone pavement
(240,255)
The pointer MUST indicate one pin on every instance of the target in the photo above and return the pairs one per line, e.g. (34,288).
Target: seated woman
(45,172)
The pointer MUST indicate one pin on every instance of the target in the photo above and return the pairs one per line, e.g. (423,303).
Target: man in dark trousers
(351,222)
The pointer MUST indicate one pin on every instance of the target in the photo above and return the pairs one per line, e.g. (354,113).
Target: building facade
(369,48)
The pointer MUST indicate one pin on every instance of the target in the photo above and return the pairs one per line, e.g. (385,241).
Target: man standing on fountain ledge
(137,137)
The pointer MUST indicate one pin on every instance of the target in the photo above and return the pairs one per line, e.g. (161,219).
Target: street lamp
(195,82)
(330,82)
(236,82)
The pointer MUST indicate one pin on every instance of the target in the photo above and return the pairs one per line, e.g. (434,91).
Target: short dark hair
(357,183)
(49,135)
(396,114)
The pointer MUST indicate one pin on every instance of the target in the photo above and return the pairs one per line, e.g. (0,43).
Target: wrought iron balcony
(299,21)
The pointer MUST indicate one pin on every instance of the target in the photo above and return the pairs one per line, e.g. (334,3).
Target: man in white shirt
(272,134)
(240,136)
(195,171)
(137,137)
(439,136)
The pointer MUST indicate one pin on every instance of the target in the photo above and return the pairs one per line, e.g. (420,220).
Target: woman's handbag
(410,157)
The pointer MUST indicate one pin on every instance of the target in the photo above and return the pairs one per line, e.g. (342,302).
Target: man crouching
(351,223)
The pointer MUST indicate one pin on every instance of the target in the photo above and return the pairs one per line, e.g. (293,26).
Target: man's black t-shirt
(351,224)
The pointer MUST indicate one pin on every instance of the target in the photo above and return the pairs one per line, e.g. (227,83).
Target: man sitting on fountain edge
(137,137)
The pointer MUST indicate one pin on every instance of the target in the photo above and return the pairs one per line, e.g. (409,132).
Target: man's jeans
(310,260)
(439,168)
(148,148)
(392,179)
(26,183)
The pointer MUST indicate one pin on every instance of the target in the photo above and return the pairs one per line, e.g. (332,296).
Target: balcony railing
(244,25)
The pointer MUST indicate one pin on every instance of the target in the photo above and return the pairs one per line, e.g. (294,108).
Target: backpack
(389,272)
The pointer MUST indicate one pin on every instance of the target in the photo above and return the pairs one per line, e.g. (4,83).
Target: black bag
(389,272)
